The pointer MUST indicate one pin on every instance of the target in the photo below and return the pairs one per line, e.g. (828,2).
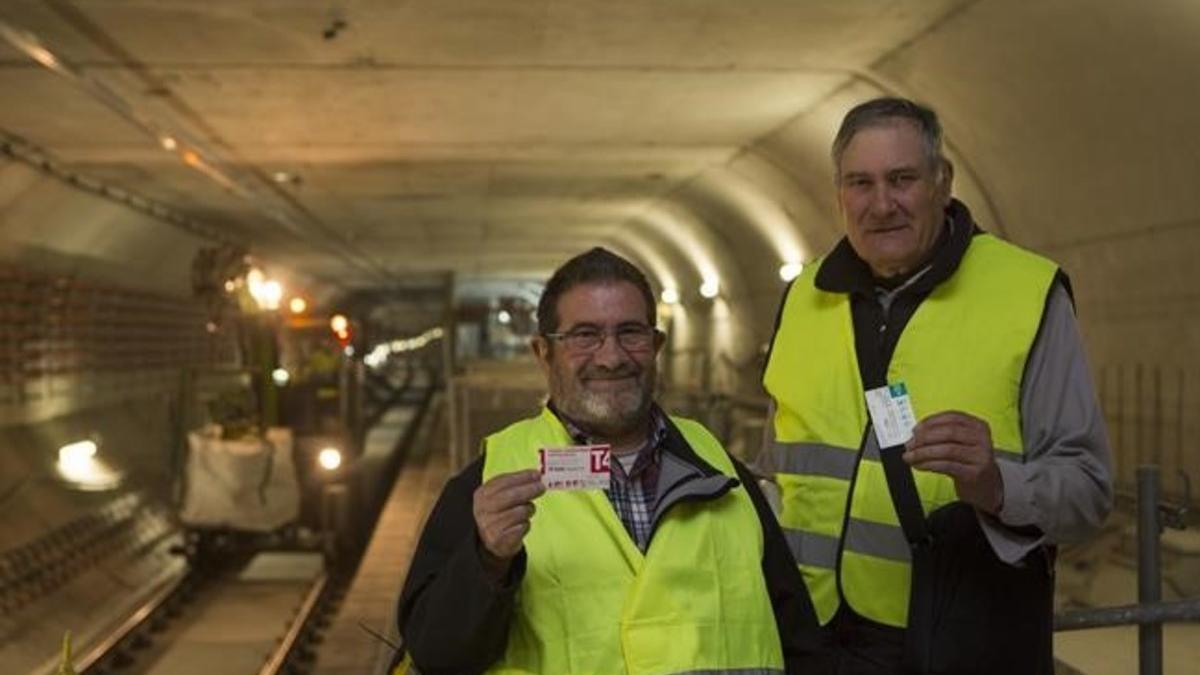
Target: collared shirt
(633,492)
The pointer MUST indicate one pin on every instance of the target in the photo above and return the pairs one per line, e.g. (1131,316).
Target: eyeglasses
(635,337)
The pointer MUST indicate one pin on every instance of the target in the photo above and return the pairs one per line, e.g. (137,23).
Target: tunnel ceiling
(367,141)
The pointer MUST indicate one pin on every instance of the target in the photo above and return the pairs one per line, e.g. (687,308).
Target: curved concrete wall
(1073,130)
(1072,124)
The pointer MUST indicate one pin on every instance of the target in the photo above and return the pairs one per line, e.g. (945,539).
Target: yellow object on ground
(64,665)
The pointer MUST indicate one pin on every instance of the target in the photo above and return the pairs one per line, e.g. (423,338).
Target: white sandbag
(244,484)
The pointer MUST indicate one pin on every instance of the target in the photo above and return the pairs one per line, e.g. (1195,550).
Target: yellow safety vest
(964,349)
(592,602)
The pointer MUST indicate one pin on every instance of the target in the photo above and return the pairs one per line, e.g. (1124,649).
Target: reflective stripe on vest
(735,671)
(964,349)
(591,602)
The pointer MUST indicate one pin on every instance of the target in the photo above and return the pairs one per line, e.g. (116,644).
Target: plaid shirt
(633,494)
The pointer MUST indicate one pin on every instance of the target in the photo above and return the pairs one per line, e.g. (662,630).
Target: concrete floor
(1114,651)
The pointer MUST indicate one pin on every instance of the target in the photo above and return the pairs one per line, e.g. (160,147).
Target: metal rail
(1150,612)
(158,603)
(151,607)
(1150,645)
(1125,615)
(279,658)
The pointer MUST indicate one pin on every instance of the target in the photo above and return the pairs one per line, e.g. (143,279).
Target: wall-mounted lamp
(77,464)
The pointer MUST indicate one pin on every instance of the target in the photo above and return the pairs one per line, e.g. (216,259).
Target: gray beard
(607,415)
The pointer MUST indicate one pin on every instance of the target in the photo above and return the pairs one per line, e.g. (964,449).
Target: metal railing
(1150,612)
(720,413)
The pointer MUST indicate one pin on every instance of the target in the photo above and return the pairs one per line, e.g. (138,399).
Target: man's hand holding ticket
(576,467)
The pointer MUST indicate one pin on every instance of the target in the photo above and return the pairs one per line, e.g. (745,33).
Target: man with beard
(677,566)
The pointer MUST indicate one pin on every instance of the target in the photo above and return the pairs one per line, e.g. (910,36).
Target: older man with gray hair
(935,432)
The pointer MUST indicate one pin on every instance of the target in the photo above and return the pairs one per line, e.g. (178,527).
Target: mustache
(595,372)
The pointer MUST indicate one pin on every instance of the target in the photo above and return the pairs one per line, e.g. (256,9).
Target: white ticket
(577,467)
(891,414)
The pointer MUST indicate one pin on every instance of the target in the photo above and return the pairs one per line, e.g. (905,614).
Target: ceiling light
(280,376)
(710,288)
(298,305)
(33,48)
(339,323)
(670,296)
(790,270)
(168,142)
(255,279)
(272,293)
(503,316)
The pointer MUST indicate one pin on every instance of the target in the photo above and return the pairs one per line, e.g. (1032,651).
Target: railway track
(261,615)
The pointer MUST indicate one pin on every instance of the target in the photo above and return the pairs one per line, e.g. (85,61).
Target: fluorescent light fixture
(377,356)
(790,270)
(77,464)
(380,352)
(77,454)
(329,458)
(44,56)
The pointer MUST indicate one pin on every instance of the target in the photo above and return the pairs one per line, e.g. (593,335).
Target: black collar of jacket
(673,442)
(843,271)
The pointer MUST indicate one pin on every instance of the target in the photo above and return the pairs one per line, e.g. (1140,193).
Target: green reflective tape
(733,671)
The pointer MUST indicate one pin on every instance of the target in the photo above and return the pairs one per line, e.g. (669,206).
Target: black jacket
(879,322)
(455,619)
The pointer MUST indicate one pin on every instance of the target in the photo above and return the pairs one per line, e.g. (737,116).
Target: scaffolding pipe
(1150,645)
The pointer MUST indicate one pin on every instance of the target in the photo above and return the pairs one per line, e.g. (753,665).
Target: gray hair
(880,112)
